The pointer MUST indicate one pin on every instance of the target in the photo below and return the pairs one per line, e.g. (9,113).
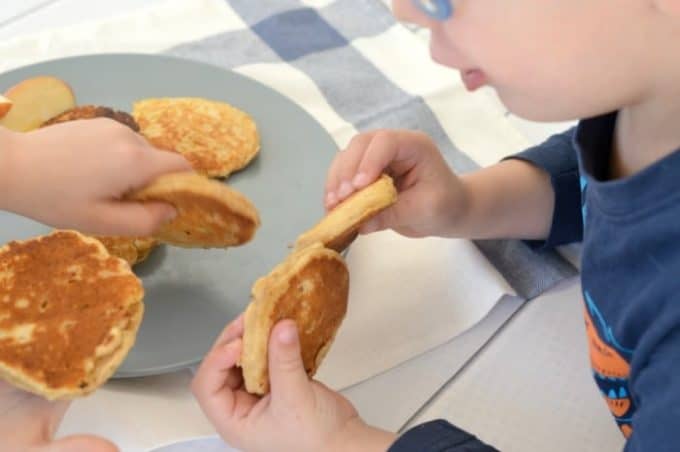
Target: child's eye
(437,9)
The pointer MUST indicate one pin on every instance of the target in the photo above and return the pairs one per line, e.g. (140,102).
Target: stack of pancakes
(70,305)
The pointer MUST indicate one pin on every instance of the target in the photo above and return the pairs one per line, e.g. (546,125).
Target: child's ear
(668,7)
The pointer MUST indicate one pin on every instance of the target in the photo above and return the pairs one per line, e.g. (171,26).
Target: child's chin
(539,110)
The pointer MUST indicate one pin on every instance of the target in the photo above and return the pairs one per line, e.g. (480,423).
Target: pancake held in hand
(69,314)
(133,250)
(339,227)
(215,137)
(310,287)
(209,214)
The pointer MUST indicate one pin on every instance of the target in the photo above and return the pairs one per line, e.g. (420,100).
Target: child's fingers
(384,220)
(232,331)
(341,172)
(216,387)
(348,165)
(129,218)
(399,152)
(158,162)
(218,369)
(357,142)
(395,216)
(287,376)
(379,155)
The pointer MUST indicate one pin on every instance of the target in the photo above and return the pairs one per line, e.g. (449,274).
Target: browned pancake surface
(209,214)
(310,287)
(339,227)
(66,310)
(216,138)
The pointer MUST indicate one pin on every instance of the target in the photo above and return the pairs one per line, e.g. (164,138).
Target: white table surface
(528,390)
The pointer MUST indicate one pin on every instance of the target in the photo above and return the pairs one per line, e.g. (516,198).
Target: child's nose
(406,11)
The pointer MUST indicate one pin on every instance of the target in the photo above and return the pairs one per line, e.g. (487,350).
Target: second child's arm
(534,195)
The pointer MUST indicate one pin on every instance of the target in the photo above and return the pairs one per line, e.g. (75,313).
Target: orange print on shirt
(618,406)
(627,430)
(605,359)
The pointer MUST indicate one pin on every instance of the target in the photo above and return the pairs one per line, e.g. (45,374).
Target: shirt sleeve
(438,436)
(557,156)
(657,395)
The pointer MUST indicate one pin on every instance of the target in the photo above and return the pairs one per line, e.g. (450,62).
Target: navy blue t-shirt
(630,268)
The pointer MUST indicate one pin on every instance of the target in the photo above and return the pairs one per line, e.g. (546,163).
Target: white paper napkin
(406,297)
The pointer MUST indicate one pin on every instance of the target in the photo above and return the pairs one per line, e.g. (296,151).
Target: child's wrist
(458,209)
(357,436)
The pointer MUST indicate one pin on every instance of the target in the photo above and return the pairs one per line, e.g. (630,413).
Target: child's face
(548,59)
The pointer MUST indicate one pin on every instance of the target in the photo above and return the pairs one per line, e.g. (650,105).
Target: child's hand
(298,414)
(431,198)
(73,175)
(28,423)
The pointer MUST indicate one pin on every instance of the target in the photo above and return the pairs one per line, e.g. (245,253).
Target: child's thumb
(287,376)
(130,218)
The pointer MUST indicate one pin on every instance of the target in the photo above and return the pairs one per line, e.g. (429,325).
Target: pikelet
(215,137)
(209,214)
(339,227)
(69,314)
(310,287)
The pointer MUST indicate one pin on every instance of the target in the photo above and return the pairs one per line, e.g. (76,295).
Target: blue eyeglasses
(436,9)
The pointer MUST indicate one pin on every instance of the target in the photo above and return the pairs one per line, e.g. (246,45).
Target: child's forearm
(357,436)
(512,199)
(6,146)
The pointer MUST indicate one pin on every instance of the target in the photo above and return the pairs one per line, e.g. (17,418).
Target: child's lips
(473,79)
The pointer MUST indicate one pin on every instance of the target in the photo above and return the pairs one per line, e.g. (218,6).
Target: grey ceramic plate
(192,294)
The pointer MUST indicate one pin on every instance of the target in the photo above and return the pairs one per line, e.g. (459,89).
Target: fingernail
(287,335)
(360,180)
(345,190)
(331,199)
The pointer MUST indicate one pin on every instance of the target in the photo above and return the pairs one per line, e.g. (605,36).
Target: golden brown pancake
(91,112)
(133,250)
(339,227)
(69,314)
(310,287)
(209,214)
(215,137)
